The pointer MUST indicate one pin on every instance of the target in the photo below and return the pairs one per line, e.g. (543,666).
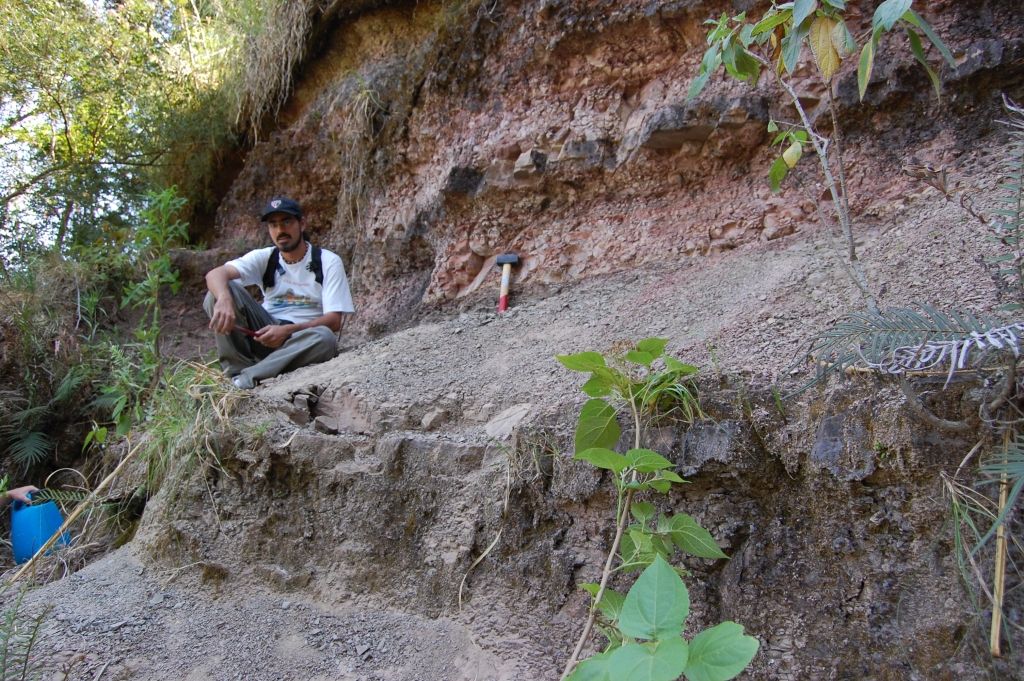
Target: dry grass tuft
(271,57)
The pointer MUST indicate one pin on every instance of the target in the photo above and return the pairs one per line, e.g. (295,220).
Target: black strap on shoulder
(316,266)
(273,265)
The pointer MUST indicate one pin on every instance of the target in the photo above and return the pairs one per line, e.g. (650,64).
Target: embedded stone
(326,424)
(434,418)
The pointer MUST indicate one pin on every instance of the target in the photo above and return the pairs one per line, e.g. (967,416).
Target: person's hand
(274,336)
(21,493)
(223,320)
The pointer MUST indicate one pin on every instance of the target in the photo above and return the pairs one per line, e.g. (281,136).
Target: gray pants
(242,356)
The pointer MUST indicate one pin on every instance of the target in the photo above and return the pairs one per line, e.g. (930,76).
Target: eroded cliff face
(423,140)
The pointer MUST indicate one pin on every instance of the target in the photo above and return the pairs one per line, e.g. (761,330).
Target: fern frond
(902,339)
(70,383)
(20,417)
(1008,221)
(63,496)
(108,400)
(28,449)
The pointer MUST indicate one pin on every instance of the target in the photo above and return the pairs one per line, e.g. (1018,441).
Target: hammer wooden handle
(506,273)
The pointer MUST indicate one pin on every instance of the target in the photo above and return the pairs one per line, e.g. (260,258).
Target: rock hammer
(506,261)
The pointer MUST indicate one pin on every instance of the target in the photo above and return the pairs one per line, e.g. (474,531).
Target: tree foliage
(100,104)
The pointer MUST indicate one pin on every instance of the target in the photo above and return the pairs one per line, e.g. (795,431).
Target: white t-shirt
(295,295)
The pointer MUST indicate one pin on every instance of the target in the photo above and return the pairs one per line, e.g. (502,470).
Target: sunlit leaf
(652,346)
(792,155)
(644,358)
(596,387)
(582,361)
(825,53)
(771,21)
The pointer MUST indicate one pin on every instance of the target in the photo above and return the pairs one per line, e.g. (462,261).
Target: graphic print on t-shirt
(291,299)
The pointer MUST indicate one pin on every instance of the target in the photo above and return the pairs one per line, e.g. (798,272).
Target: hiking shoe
(243,382)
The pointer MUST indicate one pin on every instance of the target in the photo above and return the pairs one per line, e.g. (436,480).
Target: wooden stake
(999,578)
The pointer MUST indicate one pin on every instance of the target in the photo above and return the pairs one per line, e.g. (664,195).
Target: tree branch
(917,406)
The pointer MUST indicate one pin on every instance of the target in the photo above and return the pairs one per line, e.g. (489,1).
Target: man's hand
(275,336)
(21,493)
(223,320)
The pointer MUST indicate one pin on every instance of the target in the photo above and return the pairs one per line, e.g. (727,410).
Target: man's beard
(288,248)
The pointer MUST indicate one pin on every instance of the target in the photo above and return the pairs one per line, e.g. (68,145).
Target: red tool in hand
(506,261)
(246,331)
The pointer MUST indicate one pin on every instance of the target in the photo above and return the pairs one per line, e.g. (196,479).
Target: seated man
(305,292)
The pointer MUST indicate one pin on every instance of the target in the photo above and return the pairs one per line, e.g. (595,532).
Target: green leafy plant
(650,621)
(158,234)
(775,43)
(643,381)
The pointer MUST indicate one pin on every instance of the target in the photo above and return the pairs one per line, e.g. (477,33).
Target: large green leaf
(720,653)
(655,661)
(592,669)
(694,539)
(647,461)
(604,458)
(657,605)
(889,12)
(582,361)
(597,426)
(652,346)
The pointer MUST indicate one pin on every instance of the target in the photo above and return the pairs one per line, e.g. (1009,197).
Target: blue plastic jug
(32,526)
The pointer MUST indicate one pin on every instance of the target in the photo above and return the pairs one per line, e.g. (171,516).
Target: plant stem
(841,206)
(622,522)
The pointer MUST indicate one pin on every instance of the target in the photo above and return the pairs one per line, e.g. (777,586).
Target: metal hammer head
(508,259)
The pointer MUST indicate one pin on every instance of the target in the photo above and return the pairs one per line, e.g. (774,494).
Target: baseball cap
(281,205)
